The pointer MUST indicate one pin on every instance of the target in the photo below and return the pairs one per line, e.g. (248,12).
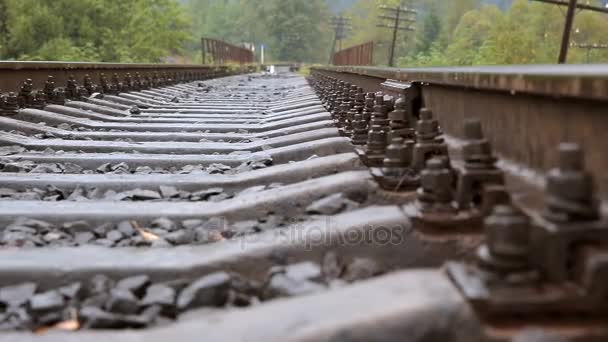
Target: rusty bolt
(376,145)
(380,115)
(137,82)
(477,151)
(436,191)
(570,195)
(507,233)
(49,86)
(88,84)
(369,107)
(399,123)
(427,128)
(9,104)
(428,144)
(398,154)
(39,100)
(360,130)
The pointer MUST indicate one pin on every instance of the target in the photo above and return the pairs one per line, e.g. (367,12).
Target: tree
(471,33)
(295,30)
(430,30)
(94,30)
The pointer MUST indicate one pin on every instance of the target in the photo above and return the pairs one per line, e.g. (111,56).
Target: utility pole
(563,52)
(573,5)
(396,17)
(590,47)
(341,27)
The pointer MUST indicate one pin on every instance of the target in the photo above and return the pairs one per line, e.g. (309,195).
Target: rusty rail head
(575,81)
(362,54)
(13,74)
(219,52)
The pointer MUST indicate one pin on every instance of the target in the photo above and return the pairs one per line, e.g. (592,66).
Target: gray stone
(180,237)
(77,227)
(192,224)
(126,228)
(77,195)
(96,318)
(245,227)
(20,228)
(216,223)
(14,238)
(122,301)
(219,197)
(253,189)
(160,243)
(6,192)
(218,168)
(53,236)
(144,170)
(8,150)
(46,302)
(168,191)
(39,225)
(138,195)
(304,271)
(361,269)
(136,284)
(163,223)
(98,300)
(100,284)
(72,291)
(103,229)
(205,194)
(104,242)
(210,290)
(161,295)
(84,238)
(280,285)
(114,236)
(17,295)
(329,205)
(121,167)
(47,168)
(71,168)
(104,168)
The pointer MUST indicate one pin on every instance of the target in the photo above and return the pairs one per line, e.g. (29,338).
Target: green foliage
(473,32)
(92,30)
(294,30)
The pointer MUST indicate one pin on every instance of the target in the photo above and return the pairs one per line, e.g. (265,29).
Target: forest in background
(474,32)
(448,32)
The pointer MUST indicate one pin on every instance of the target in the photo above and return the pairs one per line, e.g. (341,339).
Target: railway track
(192,204)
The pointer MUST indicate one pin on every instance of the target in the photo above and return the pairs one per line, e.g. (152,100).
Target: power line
(396,17)
(341,26)
(589,48)
(573,5)
(586,7)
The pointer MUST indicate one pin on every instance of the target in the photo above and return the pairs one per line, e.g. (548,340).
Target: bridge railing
(362,54)
(219,52)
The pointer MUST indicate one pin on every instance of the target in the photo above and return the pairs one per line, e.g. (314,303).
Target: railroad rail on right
(155,202)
